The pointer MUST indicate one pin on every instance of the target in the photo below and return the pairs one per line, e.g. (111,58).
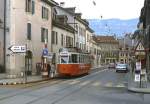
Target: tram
(73,62)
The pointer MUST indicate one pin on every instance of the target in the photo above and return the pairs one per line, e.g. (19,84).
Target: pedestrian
(52,70)
(48,69)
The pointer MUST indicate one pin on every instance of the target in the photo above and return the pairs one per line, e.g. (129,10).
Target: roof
(90,30)
(50,2)
(105,39)
(66,10)
(64,26)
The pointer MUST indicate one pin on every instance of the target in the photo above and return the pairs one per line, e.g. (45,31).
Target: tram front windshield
(64,59)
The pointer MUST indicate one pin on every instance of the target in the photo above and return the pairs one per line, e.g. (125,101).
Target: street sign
(137,78)
(138,65)
(139,50)
(45,52)
(18,49)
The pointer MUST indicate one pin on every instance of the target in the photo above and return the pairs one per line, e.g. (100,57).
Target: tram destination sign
(17,49)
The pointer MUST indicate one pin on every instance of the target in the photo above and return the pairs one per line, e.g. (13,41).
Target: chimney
(62,4)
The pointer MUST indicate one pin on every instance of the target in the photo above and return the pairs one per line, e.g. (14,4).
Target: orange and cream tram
(73,63)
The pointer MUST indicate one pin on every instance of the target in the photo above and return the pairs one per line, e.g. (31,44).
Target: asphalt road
(99,87)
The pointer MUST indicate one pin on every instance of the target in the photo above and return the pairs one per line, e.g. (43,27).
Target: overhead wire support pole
(5,3)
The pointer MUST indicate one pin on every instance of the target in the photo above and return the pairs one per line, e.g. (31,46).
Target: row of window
(44,36)
(67,39)
(30,8)
(76,58)
(123,54)
(44,33)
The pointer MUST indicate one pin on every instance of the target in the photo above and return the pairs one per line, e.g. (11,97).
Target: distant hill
(113,26)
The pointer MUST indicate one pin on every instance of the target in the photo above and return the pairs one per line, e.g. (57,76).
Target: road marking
(96,84)
(85,83)
(109,84)
(74,82)
(92,74)
(120,85)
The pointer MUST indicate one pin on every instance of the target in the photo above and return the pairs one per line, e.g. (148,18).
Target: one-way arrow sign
(18,49)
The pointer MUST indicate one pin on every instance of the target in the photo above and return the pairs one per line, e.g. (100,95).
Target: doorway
(28,62)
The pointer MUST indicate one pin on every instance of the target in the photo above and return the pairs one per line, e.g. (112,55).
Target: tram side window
(74,58)
(80,58)
(64,59)
(70,59)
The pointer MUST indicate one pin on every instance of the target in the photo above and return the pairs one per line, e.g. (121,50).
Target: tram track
(37,86)
(78,85)
(30,88)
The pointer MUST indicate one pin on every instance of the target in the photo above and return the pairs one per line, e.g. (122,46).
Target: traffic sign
(45,52)
(137,78)
(139,50)
(18,49)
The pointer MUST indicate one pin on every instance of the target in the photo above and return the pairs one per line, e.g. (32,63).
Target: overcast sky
(94,9)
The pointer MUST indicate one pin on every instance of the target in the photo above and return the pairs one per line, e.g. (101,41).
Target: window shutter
(26,9)
(53,39)
(42,12)
(29,31)
(33,7)
(42,34)
(47,34)
(56,38)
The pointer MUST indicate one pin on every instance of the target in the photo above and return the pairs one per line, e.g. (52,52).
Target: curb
(12,83)
(22,82)
(139,90)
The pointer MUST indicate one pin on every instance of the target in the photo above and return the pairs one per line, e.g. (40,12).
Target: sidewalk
(138,87)
(2,76)
(13,81)
(30,79)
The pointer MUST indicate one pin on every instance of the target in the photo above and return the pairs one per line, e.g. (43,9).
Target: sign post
(44,60)
(18,49)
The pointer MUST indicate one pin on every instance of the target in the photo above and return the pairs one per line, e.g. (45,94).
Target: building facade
(62,34)
(32,29)
(2,56)
(144,27)
(109,49)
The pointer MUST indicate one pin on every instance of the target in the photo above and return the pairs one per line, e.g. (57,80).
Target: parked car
(121,67)
(111,65)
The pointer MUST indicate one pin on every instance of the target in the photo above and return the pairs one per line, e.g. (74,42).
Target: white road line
(92,74)
(74,82)
(109,84)
(85,83)
(120,85)
(96,84)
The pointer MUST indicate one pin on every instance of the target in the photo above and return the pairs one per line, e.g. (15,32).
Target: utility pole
(5,3)
(44,60)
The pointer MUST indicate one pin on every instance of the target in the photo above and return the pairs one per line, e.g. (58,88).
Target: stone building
(62,33)
(109,48)
(29,23)
(144,26)
(2,32)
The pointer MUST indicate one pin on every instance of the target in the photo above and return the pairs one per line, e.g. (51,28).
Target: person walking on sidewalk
(52,70)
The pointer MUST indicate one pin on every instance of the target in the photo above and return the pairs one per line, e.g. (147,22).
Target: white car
(121,68)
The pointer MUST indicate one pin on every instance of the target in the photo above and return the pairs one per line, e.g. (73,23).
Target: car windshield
(121,65)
